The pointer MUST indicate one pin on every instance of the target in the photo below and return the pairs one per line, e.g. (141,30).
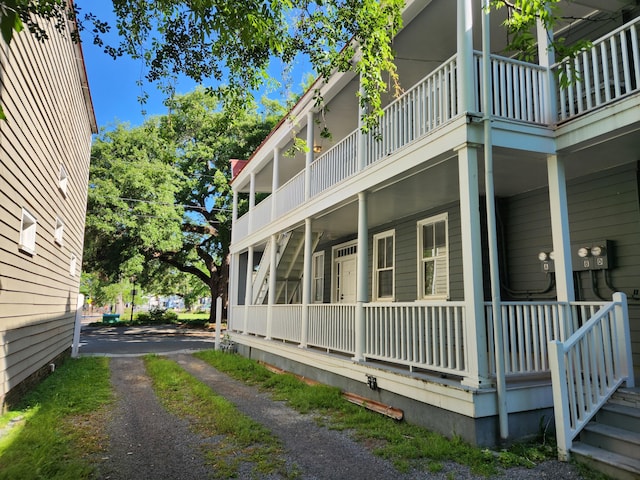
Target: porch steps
(610,443)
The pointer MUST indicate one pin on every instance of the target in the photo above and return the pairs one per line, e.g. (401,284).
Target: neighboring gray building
(45,147)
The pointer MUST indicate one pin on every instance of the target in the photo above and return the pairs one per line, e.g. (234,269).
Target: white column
(547,58)
(476,332)
(252,200)
(465,55)
(273,266)
(560,229)
(248,294)
(234,261)
(361,278)
(275,181)
(309,161)
(234,215)
(306,282)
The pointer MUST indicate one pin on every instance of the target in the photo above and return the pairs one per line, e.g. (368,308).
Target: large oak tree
(159,194)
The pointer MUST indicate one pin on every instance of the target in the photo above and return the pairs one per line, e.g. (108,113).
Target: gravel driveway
(146,442)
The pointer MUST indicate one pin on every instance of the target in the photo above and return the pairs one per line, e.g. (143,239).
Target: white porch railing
(332,327)
(528,327)
(335,165)
(588,367)
(518,89)
(430,103)
(240,227)
(261,214)
(424,336)
(519,94)
(286,322)
(256,320)
(607,71)
(290,195)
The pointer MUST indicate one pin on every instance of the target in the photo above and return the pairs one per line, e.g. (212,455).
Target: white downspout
(487,104)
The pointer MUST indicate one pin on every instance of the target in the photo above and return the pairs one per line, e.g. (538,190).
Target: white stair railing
(261,279)
(587,368)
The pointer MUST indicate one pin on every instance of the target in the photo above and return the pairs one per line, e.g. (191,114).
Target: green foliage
(212,415)
(156,316)
(46,441)
(159,206)
(521,22)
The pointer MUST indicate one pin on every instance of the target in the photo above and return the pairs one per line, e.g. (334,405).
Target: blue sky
(113,82)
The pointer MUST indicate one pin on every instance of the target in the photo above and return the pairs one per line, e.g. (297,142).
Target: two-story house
(45,146)
(477,255)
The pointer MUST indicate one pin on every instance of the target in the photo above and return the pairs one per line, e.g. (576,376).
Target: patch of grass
(240,439)
(187,316)
(407,446)
(59,425)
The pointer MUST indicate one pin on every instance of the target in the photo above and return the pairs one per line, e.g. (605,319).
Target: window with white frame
(73,263)
(383,265)
(317,274)
(63,180)
(59,231)
(27,241)
(433,257)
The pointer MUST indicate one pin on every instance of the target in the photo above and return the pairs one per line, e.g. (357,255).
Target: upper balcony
(525,97)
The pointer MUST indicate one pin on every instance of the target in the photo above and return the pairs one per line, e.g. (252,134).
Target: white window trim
(63,180)
(73,264)
(431,220)
(58,235)
(375,270)
(315,275)
(28,232)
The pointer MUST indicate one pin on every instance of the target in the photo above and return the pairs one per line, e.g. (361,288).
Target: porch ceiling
(515,172)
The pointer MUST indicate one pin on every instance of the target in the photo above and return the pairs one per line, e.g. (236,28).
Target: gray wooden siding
(406,262)
(602,206)
(49,125)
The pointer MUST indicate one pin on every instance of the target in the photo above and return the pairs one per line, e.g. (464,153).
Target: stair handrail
(588,367)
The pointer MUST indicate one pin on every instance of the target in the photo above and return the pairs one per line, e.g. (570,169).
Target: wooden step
(620,416)
(613,439)
(629,397)
(617,466)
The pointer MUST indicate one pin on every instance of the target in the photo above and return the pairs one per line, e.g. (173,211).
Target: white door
(345,279)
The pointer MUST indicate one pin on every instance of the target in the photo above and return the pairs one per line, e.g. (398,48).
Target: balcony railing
(338,163)
(430,103)
(607,71)
(527,328)
(420,336)
(519,89)
(332,327)
(425,336)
